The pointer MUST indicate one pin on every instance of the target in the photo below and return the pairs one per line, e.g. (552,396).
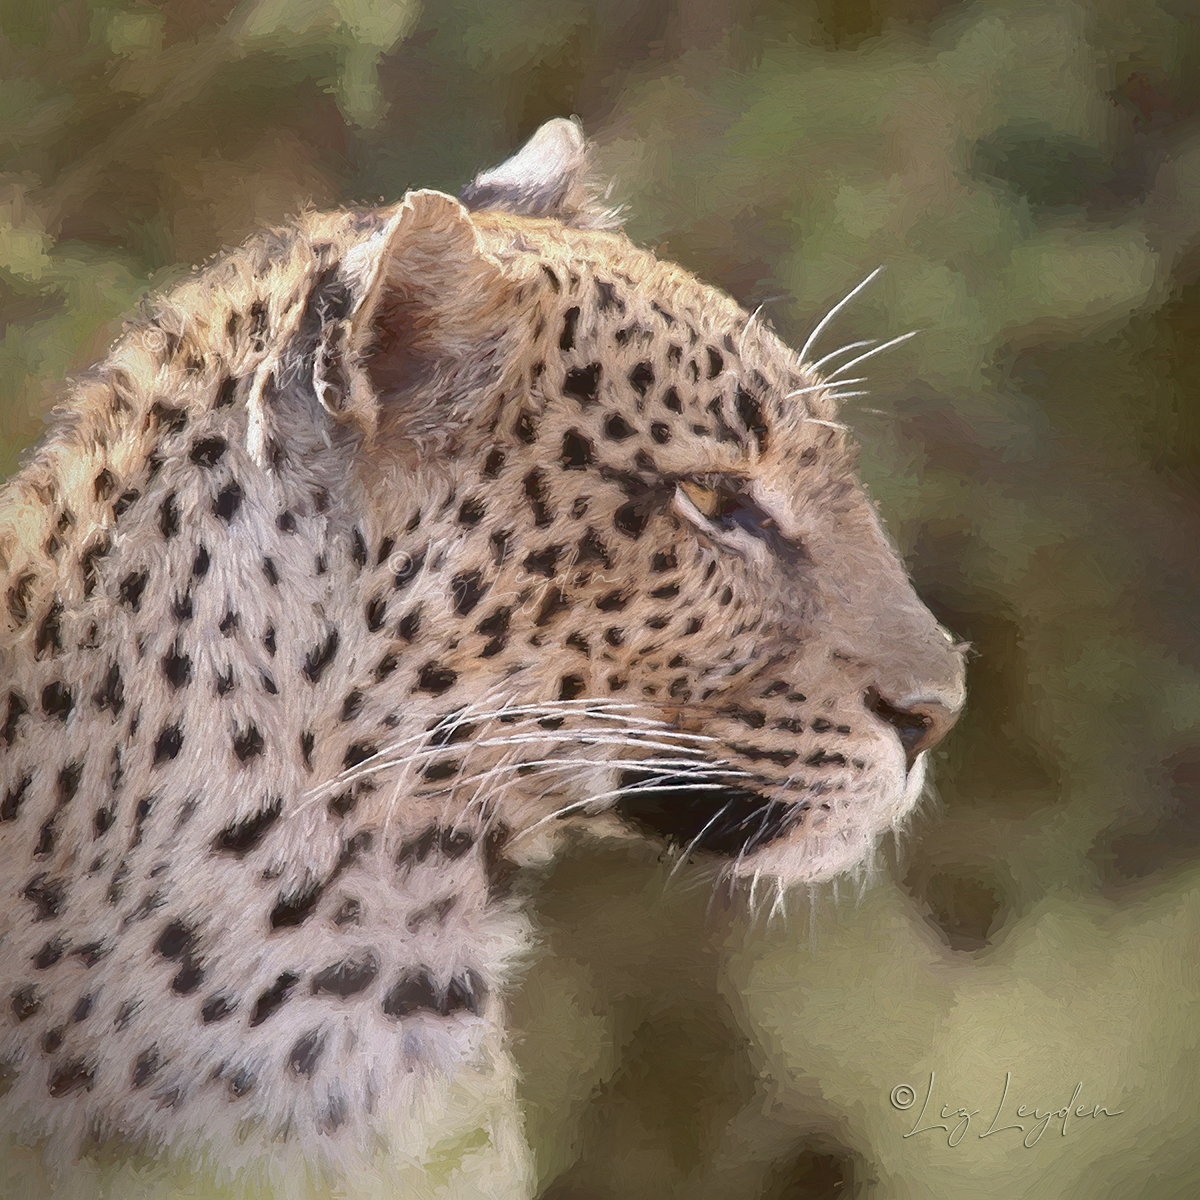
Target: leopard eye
(706,499)
(726,507)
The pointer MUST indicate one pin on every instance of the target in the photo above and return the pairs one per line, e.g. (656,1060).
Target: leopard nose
(920,721)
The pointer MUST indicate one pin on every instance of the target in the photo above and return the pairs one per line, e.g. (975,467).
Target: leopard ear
(550,176)
(425,330)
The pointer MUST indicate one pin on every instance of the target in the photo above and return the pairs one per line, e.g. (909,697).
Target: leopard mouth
(726,821)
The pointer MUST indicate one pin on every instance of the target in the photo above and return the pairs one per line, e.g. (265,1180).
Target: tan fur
(306,591)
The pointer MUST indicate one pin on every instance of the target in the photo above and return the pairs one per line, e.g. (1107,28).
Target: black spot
(17,708)
(471,512)
(18,598)
(536,491)
(436,678)
(614,636)
(305,1053)
(541,562)
(56,700)
(126,1013)
(226,391)
(566,339)
(168,744)
(146,1067)
(229,622)
(46,840)
(215,1008)
(75,1076)
(321,656)
(177,668)
(208,451)
(248,743)
(630,519)
(52,1040)
(68,782)
(468,589)
(131,588)
(50,953)
(592,549)
(555,602)
(358,549)
(357,753)
(181,607)
(92,952)
(444,769)
(124,502)
(499,541)
(408,572)
(413,992)
(617,429)
(170,420)
(168,517)
(386,546)
(642,378)
(242,836)
(409,624)
(269,572)
(607,297)
(570,687)
(774,689)
(88,560)
(25,1002)
(225,682)
(352,704)
(175,940)
(104,484)
(667,592)
(189,977)
(50,631)
(576,451)
(581,383)
(526,429)
(749,717)
(664,562)
(821,759)
(46,895)
(715,362)
(725,597)
(273,997)
(269,640)
(750,414)
(297,907)
(346,978)
(612,602)
(229,500)
(493,463)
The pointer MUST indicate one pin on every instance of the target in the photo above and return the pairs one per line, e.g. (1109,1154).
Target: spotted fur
(371,554)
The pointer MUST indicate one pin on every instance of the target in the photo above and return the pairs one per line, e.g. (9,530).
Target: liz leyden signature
(903,1097)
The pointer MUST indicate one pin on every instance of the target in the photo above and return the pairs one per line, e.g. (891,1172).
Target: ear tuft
(550,176)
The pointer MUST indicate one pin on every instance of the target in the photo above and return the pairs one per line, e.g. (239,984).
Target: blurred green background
(1030,174)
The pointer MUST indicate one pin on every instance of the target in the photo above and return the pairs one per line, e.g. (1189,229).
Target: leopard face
(376,552)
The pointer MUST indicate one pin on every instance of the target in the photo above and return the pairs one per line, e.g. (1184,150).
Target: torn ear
(424,342)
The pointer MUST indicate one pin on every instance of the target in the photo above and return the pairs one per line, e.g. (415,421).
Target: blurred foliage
(1028,170)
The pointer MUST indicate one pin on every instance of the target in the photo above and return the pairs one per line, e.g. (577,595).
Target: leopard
(376,556)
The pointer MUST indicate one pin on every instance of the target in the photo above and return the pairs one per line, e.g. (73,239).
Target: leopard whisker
(842,350)
(820,387)
(912,333)
(833,312)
